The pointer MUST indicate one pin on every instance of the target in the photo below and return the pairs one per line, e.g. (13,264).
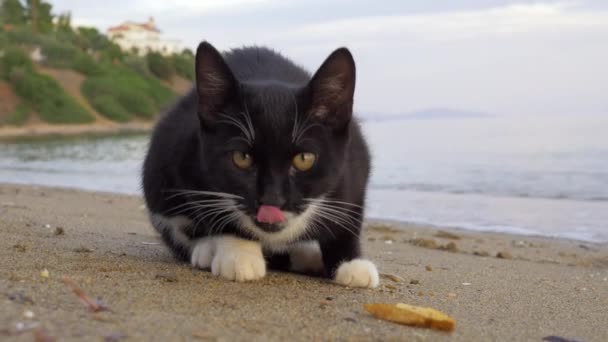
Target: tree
(160,66)
(40,16)
(91,38)
(12,12)
(184,64)
(64,22)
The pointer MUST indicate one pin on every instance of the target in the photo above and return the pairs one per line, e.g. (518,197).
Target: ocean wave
(506,229)
(439,188)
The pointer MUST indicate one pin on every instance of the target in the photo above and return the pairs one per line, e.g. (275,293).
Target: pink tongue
(270,214)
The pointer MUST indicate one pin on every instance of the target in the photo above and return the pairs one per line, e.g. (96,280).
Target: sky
(523,58)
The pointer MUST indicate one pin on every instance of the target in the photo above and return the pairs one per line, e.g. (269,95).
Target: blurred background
(485,115)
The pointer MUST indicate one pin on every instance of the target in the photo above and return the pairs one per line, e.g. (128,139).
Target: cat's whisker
(242,227)
(306,128)
(212,213)
(340,222)
(296,127)
(249,134)
(240,138)
(194,204)
(342,216)
(199,220)
(194,208)
(337,216)
(351,214)
(235,216)
(227,220)
(218,216)
(343,210)
(324,200)
(300,124)
(319,223)
(180,192)
(248,120)
(218,226)
(202,210)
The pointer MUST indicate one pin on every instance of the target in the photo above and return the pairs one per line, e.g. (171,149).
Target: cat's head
(278,146)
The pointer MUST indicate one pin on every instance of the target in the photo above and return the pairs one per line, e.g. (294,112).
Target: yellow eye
(304,161)
(242,160)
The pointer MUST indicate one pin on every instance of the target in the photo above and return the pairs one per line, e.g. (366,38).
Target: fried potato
(412,315)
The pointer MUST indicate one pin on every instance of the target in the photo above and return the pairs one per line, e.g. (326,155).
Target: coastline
(497,286)
(42,130)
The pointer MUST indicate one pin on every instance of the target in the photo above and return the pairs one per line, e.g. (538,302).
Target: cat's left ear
(332,90)
(215,83)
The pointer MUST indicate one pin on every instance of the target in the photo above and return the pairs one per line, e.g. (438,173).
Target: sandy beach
(43,130)
(497,287)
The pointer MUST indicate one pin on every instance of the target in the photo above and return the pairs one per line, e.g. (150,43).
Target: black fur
(192,145)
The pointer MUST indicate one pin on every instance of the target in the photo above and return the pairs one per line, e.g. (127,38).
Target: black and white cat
(262,165)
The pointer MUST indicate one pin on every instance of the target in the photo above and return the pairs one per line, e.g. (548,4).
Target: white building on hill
(143,37)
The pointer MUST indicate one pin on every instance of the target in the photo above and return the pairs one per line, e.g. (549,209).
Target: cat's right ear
(332,88)
(215,83)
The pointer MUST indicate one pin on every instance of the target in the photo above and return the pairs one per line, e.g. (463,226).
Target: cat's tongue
(270,214)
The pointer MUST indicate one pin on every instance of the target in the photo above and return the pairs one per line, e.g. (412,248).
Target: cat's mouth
(270,219)
(269,227)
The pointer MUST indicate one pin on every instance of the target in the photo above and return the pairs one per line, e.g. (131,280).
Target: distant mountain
(426,114)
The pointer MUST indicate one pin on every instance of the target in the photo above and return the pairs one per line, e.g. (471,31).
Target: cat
(262,165)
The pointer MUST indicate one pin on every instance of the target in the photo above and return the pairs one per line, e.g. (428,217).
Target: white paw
(238,259)
(357,273)
(203,252)
(306,257)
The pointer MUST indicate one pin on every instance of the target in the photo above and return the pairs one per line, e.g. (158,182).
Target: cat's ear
(215,83)
(332,90)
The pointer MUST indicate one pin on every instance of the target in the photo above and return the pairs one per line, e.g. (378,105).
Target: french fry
(412,315)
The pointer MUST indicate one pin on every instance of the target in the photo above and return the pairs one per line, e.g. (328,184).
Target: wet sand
(103,242)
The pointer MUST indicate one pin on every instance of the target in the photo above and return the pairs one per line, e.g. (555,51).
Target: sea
(544,176)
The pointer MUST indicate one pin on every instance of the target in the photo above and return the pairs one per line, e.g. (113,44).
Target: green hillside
(119,85)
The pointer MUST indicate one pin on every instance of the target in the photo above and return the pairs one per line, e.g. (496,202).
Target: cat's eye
(304,161)
(242,160)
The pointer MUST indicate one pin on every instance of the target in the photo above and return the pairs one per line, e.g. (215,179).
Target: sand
(103,242)
(46,130)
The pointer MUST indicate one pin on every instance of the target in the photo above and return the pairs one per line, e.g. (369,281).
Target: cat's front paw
(357,273)
(202,253)
(238,259)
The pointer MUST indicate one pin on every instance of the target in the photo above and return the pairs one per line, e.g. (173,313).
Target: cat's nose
(272,199)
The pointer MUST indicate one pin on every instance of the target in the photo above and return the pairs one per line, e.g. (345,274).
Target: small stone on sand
(19,248)
(504,255)
(168,278)
(447,235)
(518,244)
(395,278)
(28,314)
(450,247)
(425,243)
